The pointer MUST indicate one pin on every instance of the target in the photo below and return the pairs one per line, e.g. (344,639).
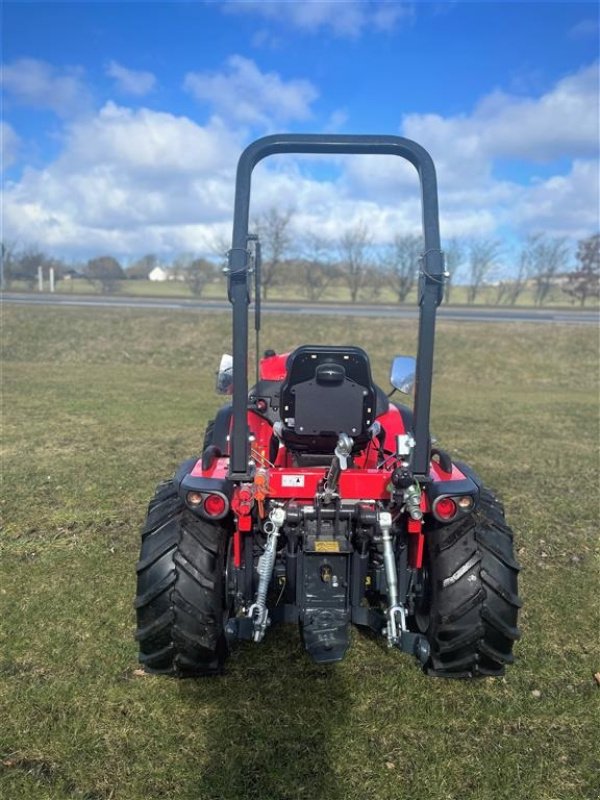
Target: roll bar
(430,283)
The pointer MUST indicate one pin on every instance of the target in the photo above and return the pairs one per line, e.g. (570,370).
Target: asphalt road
(459,313)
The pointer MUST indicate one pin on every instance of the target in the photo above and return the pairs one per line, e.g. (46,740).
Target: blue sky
(122,121)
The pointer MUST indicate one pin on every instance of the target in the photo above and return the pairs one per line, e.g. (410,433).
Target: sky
(122,122)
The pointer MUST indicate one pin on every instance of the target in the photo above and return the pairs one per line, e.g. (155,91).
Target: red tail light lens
(215,505)
(445,508)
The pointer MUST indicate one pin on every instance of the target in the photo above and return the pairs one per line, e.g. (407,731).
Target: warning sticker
(327,546)
(292,480)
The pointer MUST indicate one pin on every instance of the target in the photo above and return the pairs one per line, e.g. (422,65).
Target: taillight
(212,505)
(194,498)
(215,505)
(445,509)
(465,503)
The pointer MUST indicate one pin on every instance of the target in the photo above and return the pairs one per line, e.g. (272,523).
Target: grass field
(100,405)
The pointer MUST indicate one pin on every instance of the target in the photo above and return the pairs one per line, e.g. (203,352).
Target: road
(458,313)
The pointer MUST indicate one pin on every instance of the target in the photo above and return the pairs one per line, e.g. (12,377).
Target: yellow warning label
(327,546)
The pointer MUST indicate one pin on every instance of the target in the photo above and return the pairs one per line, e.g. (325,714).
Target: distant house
(70,274)
(158,274)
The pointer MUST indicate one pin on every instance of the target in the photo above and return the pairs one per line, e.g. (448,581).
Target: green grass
(100,405)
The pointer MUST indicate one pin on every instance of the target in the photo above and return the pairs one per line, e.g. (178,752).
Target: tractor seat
(327,391)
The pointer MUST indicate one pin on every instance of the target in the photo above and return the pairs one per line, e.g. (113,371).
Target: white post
(40,279)
(51,276)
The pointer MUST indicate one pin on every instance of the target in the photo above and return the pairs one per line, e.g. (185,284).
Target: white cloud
(245,94)
(150,142)
(344,19)
(35,83)
(564,205)
(9,144)
(136,180)
(128,180)
(562,122)
(131,181)
(130,81)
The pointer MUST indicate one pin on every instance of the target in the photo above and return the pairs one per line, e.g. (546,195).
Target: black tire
(472,602)
(180,590)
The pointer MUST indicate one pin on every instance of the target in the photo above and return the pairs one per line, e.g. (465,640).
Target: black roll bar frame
(431,280)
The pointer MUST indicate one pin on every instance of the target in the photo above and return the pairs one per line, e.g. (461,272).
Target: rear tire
(180,590)
(471,604)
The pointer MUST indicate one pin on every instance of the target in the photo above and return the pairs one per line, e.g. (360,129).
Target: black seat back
(327,391)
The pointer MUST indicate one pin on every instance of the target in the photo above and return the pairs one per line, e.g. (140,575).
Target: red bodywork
(284,481)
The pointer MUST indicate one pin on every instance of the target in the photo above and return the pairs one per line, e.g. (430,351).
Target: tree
(549,257)
(483,256)
(400,262)
(105,271)
(197,274)
(511,290)
(454,255)
(141,269)
(375,281)
(24,266)
(273,229)
(7,263)
(315,269)
(585,282)
(355,260)
(219,245)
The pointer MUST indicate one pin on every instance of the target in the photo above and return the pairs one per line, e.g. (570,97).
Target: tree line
(539,264)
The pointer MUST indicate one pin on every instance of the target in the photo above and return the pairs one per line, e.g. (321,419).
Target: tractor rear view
(318,501)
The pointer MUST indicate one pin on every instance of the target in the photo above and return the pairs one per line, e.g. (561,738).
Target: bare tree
(142,267)
(106,271)
(198,273)
(355,259)
(376,280)
(273,229)
(525,269)
(503,282)
(454,256)
(7,263)
(218,246)
(400,261)
(316,268)
(483,256)
(24,265)
(549,257)
(585,281)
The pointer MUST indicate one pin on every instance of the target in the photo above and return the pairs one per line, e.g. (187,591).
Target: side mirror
(402,373)
(225,375)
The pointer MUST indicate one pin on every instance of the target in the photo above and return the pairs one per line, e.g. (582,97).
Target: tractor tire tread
(179,600)
(474,597)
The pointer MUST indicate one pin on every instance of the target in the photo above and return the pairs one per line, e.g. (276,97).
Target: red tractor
(318,501)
